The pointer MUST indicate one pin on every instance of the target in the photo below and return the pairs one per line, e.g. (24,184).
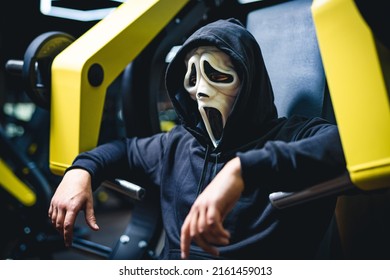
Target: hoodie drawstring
(203,176)
(204,170)
(216,165)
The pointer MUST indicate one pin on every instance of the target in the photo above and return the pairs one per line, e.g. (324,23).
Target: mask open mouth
(215,120)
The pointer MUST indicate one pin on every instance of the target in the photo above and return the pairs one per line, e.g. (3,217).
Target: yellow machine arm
(15,186)
(82,73)
(356,80)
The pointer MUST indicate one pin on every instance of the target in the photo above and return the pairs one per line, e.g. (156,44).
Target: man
(216,169)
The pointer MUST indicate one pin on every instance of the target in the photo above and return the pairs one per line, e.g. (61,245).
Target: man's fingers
(69,221)
(210,228)
(194,223)
(206,246)
(59,222)
(90,218)
(185,239)
(214,224)
(50,211)
(53,216)
(214,239)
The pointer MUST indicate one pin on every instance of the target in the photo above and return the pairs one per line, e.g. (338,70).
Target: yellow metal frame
(13,185)
(358,91)
(76,105)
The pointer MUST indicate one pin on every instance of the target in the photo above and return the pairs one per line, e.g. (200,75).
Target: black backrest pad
(288,41)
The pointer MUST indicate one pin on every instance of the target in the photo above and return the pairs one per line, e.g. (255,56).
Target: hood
(254,105)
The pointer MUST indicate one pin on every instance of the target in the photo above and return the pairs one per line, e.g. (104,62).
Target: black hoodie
(277,154)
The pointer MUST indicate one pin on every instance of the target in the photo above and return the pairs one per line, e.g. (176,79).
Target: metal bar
(132,190)
(335,186)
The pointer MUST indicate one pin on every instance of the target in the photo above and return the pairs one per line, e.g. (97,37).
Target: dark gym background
(21,22)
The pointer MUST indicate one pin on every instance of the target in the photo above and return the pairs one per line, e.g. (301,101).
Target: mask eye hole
(215,75)
(192,77)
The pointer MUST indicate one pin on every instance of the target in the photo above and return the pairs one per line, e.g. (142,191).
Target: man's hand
(204,222)
(73,194)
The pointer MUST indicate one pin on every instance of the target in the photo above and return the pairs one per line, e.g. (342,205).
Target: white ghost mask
(212,81)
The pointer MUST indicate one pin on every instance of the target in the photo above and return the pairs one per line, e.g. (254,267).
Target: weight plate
(37,62)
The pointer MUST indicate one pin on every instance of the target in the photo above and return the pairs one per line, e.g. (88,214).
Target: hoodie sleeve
(122,159)
(314,155)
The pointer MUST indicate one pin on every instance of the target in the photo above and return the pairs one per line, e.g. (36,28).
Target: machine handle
(335,186)
(132,190)
(14,67)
